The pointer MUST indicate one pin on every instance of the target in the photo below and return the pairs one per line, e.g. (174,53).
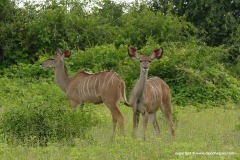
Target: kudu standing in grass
(102,87)
(148,95)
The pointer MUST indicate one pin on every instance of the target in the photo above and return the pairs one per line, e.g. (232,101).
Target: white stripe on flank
(105,79)
(110,79)
(146,91)
(95,84)
(99,84)
(158,84)
(114,77)
(79,90)
(153,91)
(88,86)
(83,87)
(154,84)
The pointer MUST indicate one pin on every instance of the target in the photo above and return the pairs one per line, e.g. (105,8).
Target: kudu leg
(116,117)
(145,123)
(135,123)
(168,114)
(74,104)
(171,126)
(153,119)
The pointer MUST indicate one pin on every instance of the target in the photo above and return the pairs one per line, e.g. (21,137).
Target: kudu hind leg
(168,114)
(116,117)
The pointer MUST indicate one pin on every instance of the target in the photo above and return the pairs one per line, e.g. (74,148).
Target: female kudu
(102,87)
(148,95)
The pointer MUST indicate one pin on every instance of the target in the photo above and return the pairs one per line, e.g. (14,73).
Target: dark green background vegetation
(200,41)
(201,61)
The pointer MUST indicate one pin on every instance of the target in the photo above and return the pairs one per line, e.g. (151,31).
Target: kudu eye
(140,61)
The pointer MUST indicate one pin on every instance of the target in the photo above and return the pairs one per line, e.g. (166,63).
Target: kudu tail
(123,94)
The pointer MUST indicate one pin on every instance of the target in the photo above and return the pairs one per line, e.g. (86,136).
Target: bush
(39,113)
(195,72)
(27,70)
(35,124)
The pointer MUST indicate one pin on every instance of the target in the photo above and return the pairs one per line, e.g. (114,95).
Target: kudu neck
(61,76)
(141,83)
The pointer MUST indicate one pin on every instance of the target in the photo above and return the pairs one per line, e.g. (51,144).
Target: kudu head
(144,60)
(57,59)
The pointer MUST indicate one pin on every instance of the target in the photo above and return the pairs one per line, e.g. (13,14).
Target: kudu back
(148,95)
(103,87)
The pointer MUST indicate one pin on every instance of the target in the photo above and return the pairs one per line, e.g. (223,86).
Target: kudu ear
(67,54)
(132,52)
(157,53)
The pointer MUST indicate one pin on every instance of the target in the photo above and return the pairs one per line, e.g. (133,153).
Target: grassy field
(200,134)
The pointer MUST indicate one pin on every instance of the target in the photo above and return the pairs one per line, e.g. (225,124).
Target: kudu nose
(145,68)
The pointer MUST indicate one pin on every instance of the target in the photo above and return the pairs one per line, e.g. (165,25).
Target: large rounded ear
(132,52)
(67,53)
(157,53)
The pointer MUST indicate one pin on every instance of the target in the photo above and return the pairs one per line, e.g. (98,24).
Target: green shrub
(196,73)
(36,124)
(39,113)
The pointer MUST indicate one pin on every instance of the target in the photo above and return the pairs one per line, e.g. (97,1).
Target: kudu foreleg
(153,119)
(136,116)
(74,104)
(145,123)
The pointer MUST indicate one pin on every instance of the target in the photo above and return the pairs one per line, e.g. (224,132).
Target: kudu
(148,95)
(103,87)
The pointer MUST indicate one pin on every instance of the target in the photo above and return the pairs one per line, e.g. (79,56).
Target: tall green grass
(197,131)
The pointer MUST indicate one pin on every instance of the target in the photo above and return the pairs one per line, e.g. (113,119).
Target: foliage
(158,26)
(37,29)
(217,22)
(216,19)
(234,52)
(13,31)
(110,12)
(37,114)
(196,73)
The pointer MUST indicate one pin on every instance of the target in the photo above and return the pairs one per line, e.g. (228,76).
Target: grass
(205,131)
